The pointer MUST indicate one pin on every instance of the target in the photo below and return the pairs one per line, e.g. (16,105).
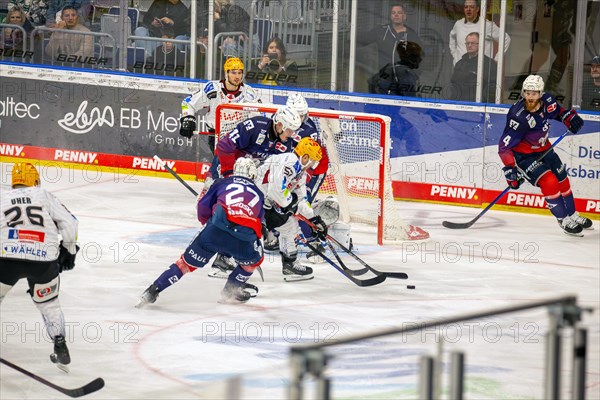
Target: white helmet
(533,82)
(245,167)
(298,103)
(288,117)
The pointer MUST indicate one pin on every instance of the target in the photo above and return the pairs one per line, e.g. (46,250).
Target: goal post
(358,145)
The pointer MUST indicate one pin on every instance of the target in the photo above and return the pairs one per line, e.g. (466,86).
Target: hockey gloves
(514,178)
(291,208)
(572,120)
(188,126)
(320,229)
(66,260)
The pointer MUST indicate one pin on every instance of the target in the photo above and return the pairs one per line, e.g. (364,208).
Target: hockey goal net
(359,173)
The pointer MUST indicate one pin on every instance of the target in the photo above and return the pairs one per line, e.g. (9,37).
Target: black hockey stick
(86,389)
(367,267)
(184,183)
(465,225)
(347,272)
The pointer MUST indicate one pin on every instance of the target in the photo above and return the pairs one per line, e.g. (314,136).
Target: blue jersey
(307,129)
(231,203)
(527,132)
(255,136)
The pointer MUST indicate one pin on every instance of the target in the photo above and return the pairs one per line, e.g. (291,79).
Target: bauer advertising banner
(440,151)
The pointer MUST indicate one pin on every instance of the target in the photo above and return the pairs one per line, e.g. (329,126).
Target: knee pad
(549,185)
(43,292)
(183,266)
(565,187)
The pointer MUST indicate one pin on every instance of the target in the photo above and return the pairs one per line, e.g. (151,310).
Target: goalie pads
(328,209)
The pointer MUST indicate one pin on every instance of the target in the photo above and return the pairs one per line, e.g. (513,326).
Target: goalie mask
(245,167)
(25,174)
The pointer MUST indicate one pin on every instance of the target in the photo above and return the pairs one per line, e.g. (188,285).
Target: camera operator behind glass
(274,59)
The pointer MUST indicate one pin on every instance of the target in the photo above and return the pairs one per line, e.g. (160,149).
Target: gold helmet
(310,147)
(25,174)
(233,63)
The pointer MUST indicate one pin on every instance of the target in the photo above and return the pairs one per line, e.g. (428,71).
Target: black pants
(35,272)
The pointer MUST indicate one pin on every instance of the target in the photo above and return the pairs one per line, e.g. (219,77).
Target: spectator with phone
(163,14)
(274,62)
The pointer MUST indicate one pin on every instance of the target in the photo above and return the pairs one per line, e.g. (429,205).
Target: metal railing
(311,359)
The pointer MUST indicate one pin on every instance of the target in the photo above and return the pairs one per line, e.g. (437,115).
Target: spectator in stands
(590,99)
(464,77)
(161,14)
(399,78)
(167,59)
(472,23)
(388,37)
(233,18)
(70,44)
(55,7)
(275,64)
(35,10)
(13,38)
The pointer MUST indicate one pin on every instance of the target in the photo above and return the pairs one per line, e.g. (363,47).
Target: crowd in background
(400,51)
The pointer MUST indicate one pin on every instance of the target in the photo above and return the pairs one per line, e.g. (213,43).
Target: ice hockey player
(525,138)
(256,137)
(232,213)
(33,221)
(316,175)
(282,178)
(232,89)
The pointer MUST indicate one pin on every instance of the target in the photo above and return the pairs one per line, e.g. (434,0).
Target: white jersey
(206,100)
(30,223)
(279,177)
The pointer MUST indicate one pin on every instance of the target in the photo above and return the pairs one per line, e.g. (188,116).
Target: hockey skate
(584,222)
(234,294)
(60,357)
(251,289)
(222,267)
(314,257)
(570,226)
(293,270)
(148,297)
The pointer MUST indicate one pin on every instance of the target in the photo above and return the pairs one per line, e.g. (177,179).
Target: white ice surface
(183,346)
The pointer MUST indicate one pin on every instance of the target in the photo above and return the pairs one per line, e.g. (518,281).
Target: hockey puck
(410,286)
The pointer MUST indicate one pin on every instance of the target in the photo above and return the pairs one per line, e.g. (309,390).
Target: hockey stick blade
(465,225)
(86,389)
(345,270)
(367,267)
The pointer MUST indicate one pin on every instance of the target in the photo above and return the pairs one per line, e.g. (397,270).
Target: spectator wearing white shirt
(472,23)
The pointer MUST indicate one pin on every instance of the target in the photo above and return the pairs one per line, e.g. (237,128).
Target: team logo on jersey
(513,124)
(530,121)
(551,107)
(261,138)
(280,147)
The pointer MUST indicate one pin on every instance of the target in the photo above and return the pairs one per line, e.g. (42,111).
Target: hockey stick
(184,183)
(465,225)
(347,272)
(367,267)
(86,389)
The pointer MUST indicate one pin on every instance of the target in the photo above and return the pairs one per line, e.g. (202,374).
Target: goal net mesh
(359,172)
